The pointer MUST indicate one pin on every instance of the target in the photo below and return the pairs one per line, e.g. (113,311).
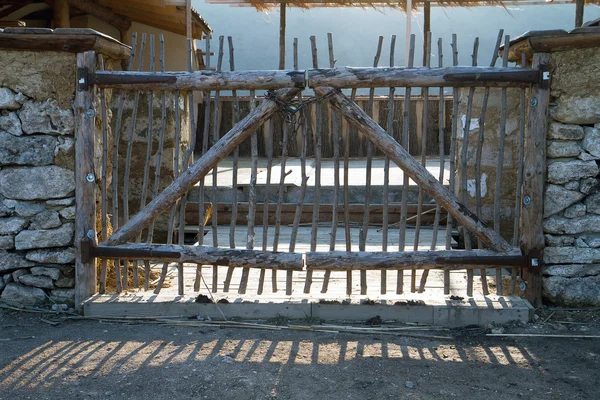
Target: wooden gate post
(85,180)
(534,168)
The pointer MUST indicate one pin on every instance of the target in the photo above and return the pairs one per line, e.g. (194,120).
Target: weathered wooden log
(350,77)
(200,168)
(85,191)
(414,169)
(343,261)
(202,80)
(208,255)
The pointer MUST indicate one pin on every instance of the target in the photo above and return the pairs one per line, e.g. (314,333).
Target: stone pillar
(37,163)
(572,201)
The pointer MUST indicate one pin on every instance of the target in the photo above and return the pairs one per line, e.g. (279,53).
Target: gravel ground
(108,360)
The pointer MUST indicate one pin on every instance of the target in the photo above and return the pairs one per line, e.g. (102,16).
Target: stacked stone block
(37,204)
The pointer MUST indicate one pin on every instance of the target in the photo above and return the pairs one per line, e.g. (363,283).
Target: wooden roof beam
(119,21)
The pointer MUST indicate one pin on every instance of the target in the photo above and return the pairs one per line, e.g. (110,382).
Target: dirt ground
(99,359)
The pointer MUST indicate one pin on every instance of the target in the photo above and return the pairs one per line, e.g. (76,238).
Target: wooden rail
(347,77)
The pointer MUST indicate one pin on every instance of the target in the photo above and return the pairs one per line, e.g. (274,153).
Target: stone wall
(572,198)
(37,185)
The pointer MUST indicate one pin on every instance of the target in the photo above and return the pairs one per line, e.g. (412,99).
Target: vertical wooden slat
(499,167)
(187,160)
(317,189)
(464,156)
(234,169)
(520,159)
(128,158)
(115,168)
(386,169)
(350,132)
(161,137)
(441,141)
(214,197)
(452,162)
(251,197)
(532,234)
(405,182)
(425,123)
(282,176)
(300,203)
(335,127)
(479,153)
(424,127)
(146,176)
(205,135)
(362,243)
(104,205)
(579,9)
(85,185)
(176,169)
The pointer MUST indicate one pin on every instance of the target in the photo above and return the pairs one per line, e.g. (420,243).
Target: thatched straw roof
(263,5)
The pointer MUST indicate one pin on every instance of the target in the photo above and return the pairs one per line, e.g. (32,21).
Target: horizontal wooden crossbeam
(347,77)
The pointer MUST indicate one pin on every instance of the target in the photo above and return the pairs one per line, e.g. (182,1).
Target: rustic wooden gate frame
(288,82)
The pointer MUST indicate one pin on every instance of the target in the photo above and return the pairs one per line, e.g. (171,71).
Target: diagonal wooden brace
(399,155)
(200,168)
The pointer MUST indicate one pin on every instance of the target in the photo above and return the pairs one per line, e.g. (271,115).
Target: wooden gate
(482,245)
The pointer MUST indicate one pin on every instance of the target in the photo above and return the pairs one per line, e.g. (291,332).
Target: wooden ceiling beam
(5,12)
(104,13)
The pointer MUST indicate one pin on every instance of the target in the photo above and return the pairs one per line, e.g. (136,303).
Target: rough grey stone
(68,212)
(589,223)
(12,225)
(52,256)
(52,273)
(12,261)
(61,202)
(68,271)
(557,198)
(44,282)
(572,292)
(579,242)
(572,270)
(5,211)
(18,273)
(25,208)
(592,203)
(7,100)
(591,141)
(63,296)
(10,122)
(22,295)
(46,117)
(2,285)
(564,132)
(45,220)
(588,185)
(33,183)
(560,172)
(33,150)
(59,237)
(574,185)
(558,241)
(65,282)
(7,278)
(571,255)
(7,242)
(576,109)
(21,98)
(593,240)
(560,149)
(585,156)
(576,210)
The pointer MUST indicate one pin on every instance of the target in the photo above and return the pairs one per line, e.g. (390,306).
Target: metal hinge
(85,78)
